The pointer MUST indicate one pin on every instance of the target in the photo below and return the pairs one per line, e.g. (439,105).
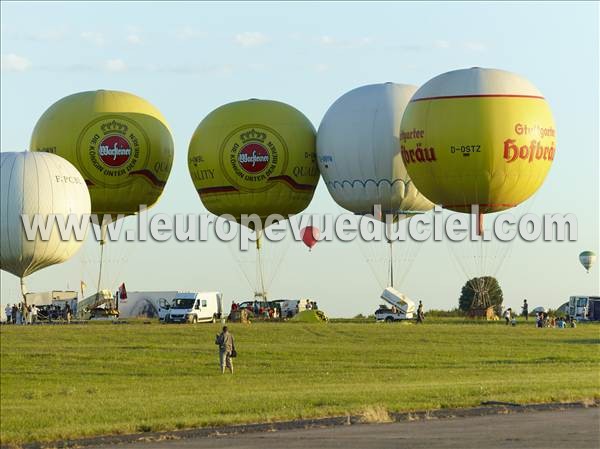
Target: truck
(195,307)
(402,307)
(51,305)
(584,308)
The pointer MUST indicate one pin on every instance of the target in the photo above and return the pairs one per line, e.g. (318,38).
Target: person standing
(525,309)
(24,314)
(13,315)
(420,313)
(34,314)
(20,313)
(8,312)
(68,313)
(226,349)
(507,316)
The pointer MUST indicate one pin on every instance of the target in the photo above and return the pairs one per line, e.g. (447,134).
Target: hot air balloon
(119,142)
(476,136)
(310,236)
(358,151)
(481,137)
(38,184)
(587,259)
(254,157)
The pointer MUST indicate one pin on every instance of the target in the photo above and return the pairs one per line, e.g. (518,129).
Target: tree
(481,293)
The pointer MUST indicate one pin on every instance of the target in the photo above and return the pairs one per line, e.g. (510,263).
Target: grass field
(81,380)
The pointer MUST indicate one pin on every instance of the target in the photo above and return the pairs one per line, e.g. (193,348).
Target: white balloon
(44,184)
(358,150)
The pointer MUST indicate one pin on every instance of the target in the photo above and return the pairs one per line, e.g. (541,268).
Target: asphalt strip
(486,409)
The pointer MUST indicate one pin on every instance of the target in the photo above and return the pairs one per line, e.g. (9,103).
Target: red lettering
(511,151)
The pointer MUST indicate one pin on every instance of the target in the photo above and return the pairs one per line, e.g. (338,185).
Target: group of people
(542,319)
(267,310)
(21,313)
(259,310)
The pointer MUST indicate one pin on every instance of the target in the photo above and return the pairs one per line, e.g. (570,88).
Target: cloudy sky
(188,59)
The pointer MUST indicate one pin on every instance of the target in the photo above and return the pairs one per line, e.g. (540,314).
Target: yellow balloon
(254,157)
(478,136)
(119,142)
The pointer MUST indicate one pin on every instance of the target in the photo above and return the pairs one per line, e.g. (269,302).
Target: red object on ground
(310,236)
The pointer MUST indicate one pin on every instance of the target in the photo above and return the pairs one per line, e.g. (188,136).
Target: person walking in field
(226,349)
(525,309)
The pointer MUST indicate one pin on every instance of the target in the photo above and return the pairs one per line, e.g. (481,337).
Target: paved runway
(569,429)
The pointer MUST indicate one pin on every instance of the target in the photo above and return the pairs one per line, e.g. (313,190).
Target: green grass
(80,380)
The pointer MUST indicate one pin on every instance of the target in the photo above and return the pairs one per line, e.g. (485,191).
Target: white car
(386,314)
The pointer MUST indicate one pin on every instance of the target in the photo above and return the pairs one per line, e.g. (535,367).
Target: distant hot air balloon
(254,157)
(310,236)
(119,142)
(478,136)
(587,259)
(358,149)
(38,184)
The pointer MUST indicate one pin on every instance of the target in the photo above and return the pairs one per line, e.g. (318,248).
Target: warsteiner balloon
(119,142)
(254,157)
(478,136)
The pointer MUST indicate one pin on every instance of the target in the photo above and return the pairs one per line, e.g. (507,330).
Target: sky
(189,58)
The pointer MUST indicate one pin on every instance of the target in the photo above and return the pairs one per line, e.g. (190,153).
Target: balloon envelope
(358,151)
(38,184)
(310,236)
(587,259)
(254,157)
(119,142)
(478,136)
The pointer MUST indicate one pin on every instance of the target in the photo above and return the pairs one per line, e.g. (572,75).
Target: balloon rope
(388,227)
(260,267)
(102,243)
(24,291)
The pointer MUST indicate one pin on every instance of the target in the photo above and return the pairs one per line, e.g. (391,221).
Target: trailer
(402,307)
(584,308)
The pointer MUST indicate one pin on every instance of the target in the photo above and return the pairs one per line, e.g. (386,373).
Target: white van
(195,307)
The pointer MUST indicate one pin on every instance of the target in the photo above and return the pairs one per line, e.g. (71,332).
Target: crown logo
(253,135)
(114,127)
